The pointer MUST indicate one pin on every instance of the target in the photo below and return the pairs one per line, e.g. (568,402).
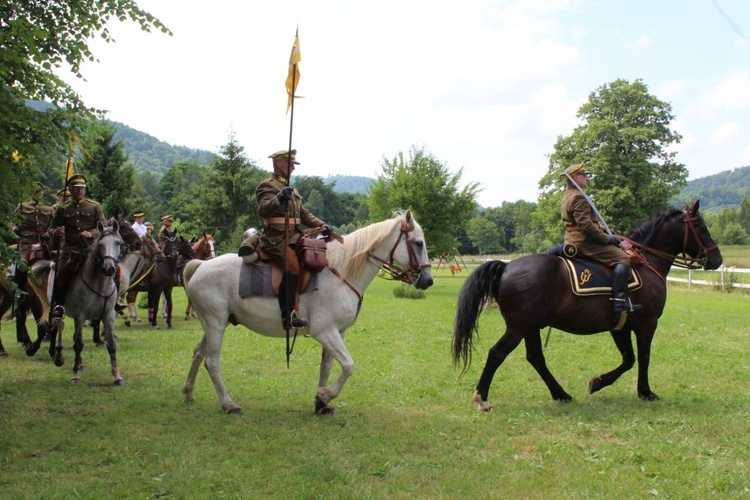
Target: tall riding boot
(287,298)
(62,279)
(620,300)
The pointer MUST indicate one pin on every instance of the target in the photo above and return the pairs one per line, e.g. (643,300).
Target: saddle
(588,277)
(263,278)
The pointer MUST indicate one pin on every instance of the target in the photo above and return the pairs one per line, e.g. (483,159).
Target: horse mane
(355,251)
(645,232)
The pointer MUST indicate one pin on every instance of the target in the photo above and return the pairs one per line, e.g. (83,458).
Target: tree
(226,203)
(424,185)
(39,40)
(110,179)
(484,234)
(627,144)
(321,199)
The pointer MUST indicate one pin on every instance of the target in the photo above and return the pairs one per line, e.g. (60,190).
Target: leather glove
(284,195)
(327,229)
(17,230)
(44,237)
(614,240)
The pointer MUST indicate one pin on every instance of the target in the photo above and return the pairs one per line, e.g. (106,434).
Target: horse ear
(116,226)
(409,218)
(100,226)
(692,207)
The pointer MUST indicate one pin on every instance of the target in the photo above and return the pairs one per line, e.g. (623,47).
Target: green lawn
(405,428)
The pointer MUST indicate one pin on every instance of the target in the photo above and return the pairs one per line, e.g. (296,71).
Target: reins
(682,260)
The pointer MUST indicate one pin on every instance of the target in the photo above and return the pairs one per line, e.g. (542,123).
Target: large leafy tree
(626,141)
(38,40)
(321,199)
(421,183)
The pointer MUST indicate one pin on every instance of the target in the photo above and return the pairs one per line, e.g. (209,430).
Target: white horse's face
(411,253)
(108,250)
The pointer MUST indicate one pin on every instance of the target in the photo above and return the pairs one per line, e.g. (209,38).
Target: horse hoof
(595,385)
(75,380)
(4,354)
(169,327)
(59,361)
(127,323)
(101,343)
(119,382)
(649,396)
(233,411)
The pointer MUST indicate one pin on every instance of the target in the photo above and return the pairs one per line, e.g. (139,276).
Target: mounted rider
(74,226)
(280,207)
(165,230)
(585,237)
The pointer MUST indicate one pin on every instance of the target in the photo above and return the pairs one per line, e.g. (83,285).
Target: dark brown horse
(204,248)
(534,292)
(162,278)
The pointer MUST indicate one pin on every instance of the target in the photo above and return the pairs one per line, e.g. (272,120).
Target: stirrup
(58,312)
(295,321)
(624,305)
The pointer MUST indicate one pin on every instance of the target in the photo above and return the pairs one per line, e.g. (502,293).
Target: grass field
(405,428)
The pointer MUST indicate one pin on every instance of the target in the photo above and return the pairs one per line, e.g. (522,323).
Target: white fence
(718,277)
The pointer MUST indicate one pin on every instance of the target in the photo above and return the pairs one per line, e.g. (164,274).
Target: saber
(591,204)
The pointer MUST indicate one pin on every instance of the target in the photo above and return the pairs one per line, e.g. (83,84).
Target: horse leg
(188,310)
(168,301)
(3,352)
(212,349)
(507,343)
(326,363)
(109,335)
(643,338)
(22,333)
(625,346)
(153,306)
(199,354)
(97,336)
(55,341)
(535,357)
(78,348)
(333,346)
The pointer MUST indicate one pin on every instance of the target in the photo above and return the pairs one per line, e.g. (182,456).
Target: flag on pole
(292,79)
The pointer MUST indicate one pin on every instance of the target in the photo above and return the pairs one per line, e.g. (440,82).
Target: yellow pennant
(292,78)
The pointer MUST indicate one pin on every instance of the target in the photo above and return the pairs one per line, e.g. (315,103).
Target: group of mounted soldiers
(64,232)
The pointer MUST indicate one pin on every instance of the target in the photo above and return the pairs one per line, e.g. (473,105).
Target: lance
(591,204)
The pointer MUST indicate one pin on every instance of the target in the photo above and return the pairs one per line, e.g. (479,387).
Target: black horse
(534,292)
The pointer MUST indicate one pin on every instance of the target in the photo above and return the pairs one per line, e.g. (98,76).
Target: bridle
(395,272)
(682,259)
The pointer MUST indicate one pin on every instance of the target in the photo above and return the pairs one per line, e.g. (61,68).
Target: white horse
(91,296)
(396,245)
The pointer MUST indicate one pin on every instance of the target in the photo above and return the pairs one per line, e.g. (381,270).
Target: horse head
(204,247)
(701,246)
(150,248)
(408,260)
(108,247)
(185,249)
(128,234)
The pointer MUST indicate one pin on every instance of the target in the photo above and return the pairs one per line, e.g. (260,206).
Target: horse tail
(41,286)
(190,269)
(482,284)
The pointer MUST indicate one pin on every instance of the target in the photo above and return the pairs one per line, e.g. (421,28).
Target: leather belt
(573,229)
(281,220)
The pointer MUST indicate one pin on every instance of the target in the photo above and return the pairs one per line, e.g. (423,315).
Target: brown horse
(534,292)
(204,250)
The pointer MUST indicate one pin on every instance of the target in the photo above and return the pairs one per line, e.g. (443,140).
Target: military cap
(167,217)
(77,180)
(138,214)
(63,191)
(285,153)
(149,224)
(38,185)
(577,169)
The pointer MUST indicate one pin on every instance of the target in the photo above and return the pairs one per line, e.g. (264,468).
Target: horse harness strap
(408,276)
(356,292)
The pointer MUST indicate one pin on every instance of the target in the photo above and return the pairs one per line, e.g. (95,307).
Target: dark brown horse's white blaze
(533,292)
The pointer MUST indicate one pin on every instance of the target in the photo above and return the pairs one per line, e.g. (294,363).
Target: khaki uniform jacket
(77,217)
(583,231)
(164,231)
(35,221)
(272,215)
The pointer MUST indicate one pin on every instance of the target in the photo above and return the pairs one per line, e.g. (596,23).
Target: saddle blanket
(257,279)
(589,278)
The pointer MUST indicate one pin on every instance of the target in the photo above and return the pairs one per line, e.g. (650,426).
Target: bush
(408,292)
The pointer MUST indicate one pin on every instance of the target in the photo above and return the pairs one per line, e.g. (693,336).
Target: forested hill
(719,191)
(149,154)
(349,183)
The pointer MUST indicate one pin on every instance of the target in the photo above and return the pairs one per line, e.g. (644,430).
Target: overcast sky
(486,86)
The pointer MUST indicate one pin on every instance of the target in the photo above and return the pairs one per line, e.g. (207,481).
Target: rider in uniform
(277,203)
(165,229)
(75,225)
(590,241)
(33,223)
